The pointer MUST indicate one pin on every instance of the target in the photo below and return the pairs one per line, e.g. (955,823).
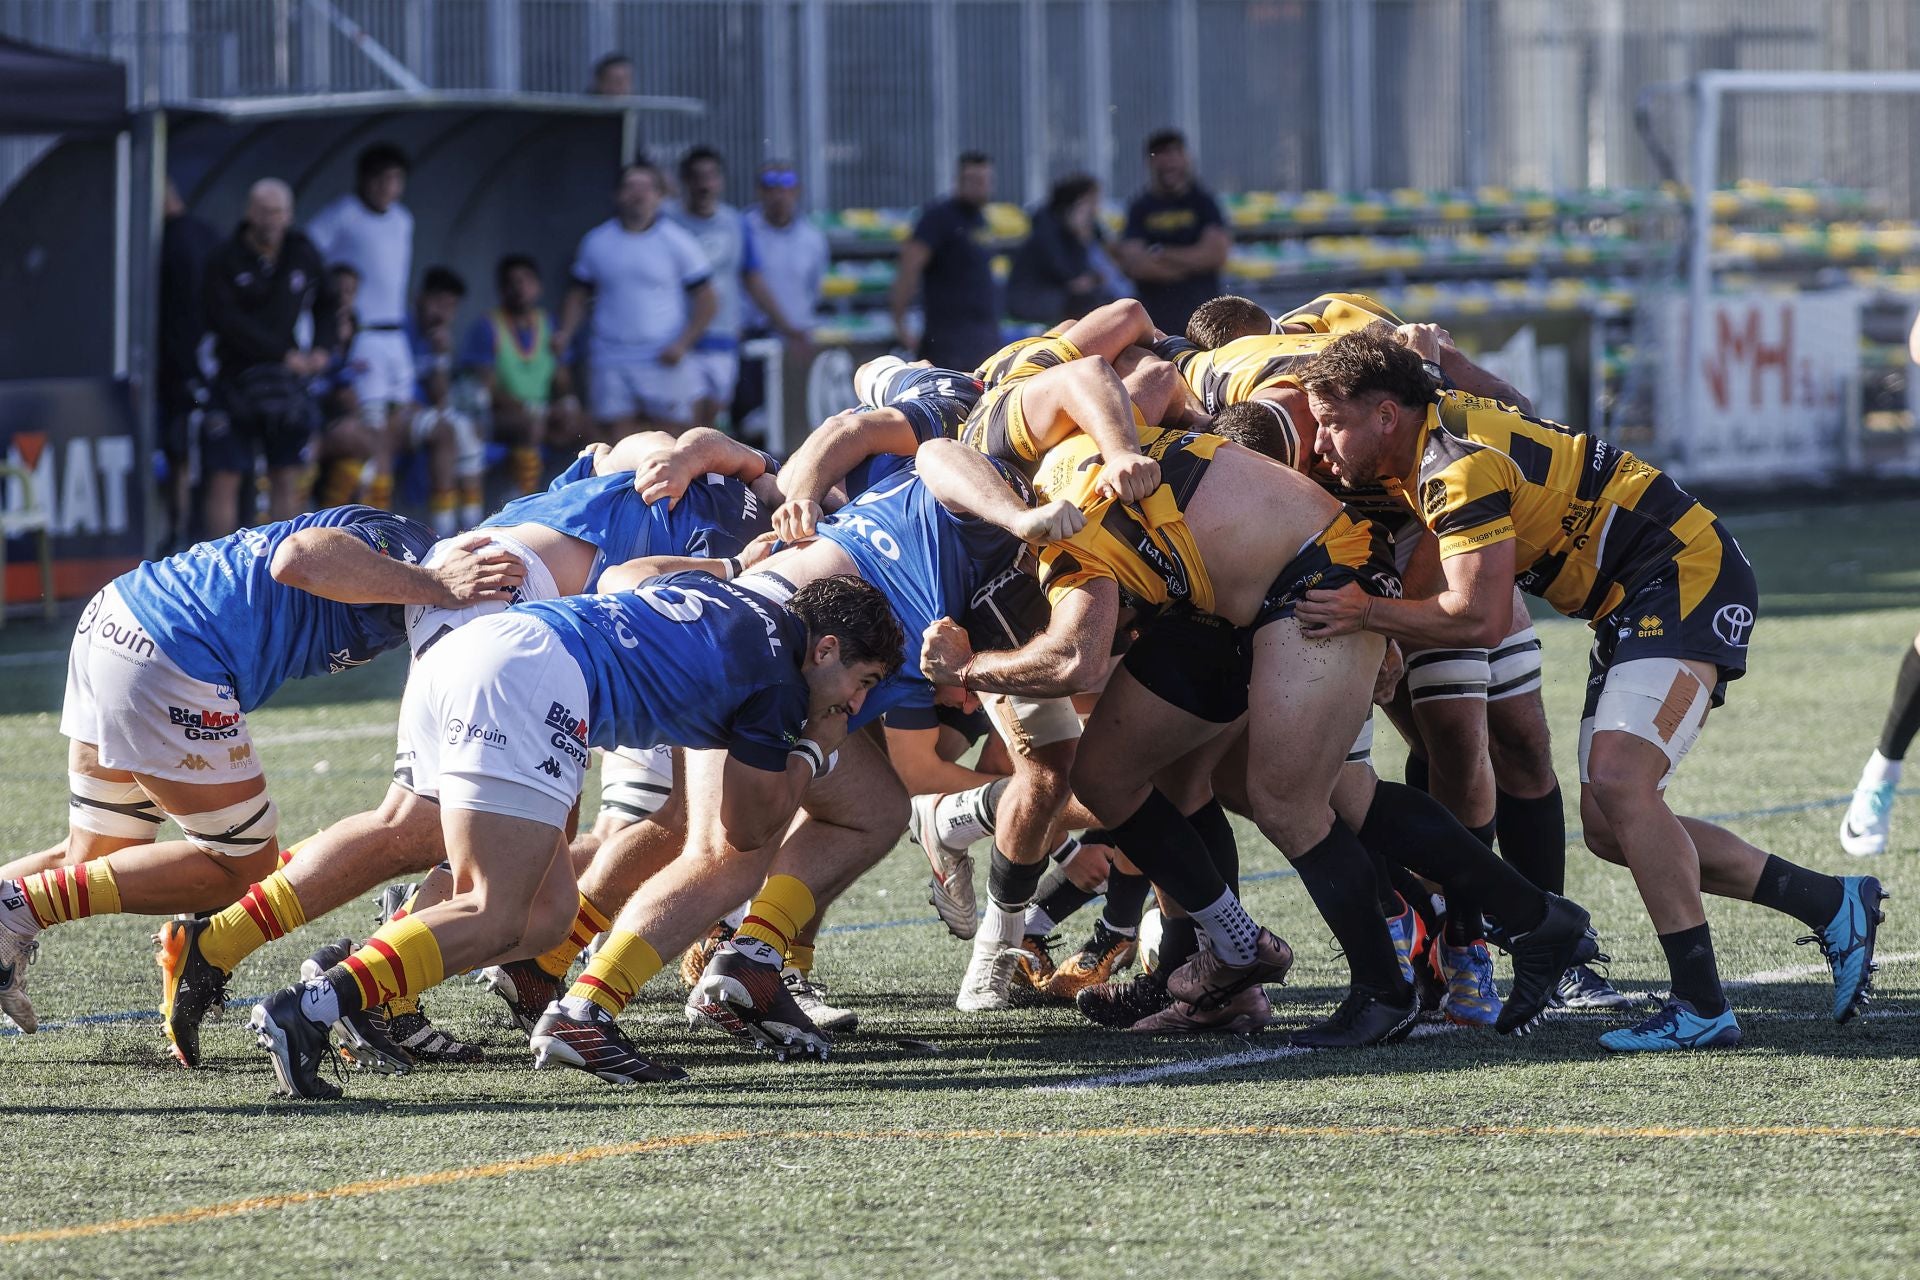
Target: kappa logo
(1733,623)
(550,767)
(194,763)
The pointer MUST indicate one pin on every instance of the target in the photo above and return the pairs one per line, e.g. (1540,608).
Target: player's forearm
(961,479)
(1475,381)
(335,565)
(704,450)
(1051,665)
(755,813)
(1449,620)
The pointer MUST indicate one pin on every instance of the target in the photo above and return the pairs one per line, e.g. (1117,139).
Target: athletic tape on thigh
(1513,666)
(120,809)
(634,784)
(1434,675)
(242,828)
(1657,699)
(1362,749)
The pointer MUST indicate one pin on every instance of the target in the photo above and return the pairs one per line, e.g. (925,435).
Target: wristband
(732,565)
(809,750)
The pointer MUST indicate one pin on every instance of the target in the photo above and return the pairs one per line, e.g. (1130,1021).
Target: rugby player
(687,660)
(1869,818)
(1190,543)
(566,537)
(1604,537)
(166,662)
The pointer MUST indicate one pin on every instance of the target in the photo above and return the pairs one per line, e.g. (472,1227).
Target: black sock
(1484,834)
(1385,887)
(1058,897)
(1811,897)
(1010,884)
(1533,837)
(1696,979)
(987,807)
(1464,923)
(1179,942)
(1416,771)
(1164,845)
(1126,899)
(1903,717)
(1210,820)
(1426,839)
(1338,879)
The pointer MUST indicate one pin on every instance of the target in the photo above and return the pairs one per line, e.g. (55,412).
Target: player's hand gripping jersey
(217,612)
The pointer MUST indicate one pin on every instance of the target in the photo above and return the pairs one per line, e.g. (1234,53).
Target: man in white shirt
(793,258)
(372,232)
(650,290)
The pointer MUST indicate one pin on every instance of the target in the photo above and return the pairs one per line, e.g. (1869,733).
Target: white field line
(1252,1057)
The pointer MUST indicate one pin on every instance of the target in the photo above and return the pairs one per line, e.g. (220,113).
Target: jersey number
(677,603)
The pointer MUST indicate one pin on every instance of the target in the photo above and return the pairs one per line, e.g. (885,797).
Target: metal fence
(875,98)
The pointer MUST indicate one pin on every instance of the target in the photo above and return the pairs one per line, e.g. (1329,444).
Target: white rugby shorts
(141,712)
(496,715)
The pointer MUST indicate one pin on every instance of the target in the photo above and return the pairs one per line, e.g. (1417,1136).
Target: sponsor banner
(1770,393)
(72,446)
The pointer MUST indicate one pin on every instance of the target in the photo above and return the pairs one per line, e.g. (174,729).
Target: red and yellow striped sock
(401,959)
(586,922)
(620,968)
(340,482)
(777,914)
(800,956)
(71,893)
(524,466)
(380,491)
(268,910)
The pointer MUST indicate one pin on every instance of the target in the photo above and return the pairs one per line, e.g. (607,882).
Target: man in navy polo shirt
(1175,240)
(949,255)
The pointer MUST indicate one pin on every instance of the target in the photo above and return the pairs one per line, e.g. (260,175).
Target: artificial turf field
(1030,1143)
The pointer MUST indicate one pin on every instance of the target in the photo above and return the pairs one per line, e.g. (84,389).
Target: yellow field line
(585,1155)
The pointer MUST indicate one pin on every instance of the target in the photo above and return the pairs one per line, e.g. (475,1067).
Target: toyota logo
(1732,624)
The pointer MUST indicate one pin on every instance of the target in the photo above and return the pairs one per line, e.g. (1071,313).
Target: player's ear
(826,650)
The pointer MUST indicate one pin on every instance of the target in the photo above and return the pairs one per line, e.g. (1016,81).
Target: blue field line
(1573,837)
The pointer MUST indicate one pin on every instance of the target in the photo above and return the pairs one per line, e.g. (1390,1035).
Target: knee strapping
(1437,674)
(1656,699)
(119,809)
(634,785)
(236,831)
(1513,666)
(1362,750)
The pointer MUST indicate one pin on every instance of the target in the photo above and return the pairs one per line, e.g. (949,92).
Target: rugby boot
(296,1044)
(596,1045)
(693,961)
(1104,954)
(1472,1000)
(1206,981)
(1243,1014)
(950,888)
(365,1039)
(1847,942)
(525,986)
(1122,1004)
(191,986)
(1678,1025)
(1364,1018)
(1869,819)
(811,996)
(750,1002)
(1562,939)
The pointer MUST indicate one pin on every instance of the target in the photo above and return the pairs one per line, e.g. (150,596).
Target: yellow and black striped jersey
(1239,370)
(1337,313)
(1590,521)
(995,368)
(1145,547)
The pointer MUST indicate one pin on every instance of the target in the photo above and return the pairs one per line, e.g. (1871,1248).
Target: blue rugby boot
(1676,1026)
(1847,943)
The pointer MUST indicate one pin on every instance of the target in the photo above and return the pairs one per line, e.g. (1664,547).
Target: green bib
(525,375)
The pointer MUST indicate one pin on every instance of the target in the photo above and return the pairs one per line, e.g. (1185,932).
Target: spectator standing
(949,261)
(613,76)
(1054,276)
(258,284)
(650,291)
(186,244)
(372,232)
(793,257)
(1175,240)
(723,235)
(455,455)
(526,382)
